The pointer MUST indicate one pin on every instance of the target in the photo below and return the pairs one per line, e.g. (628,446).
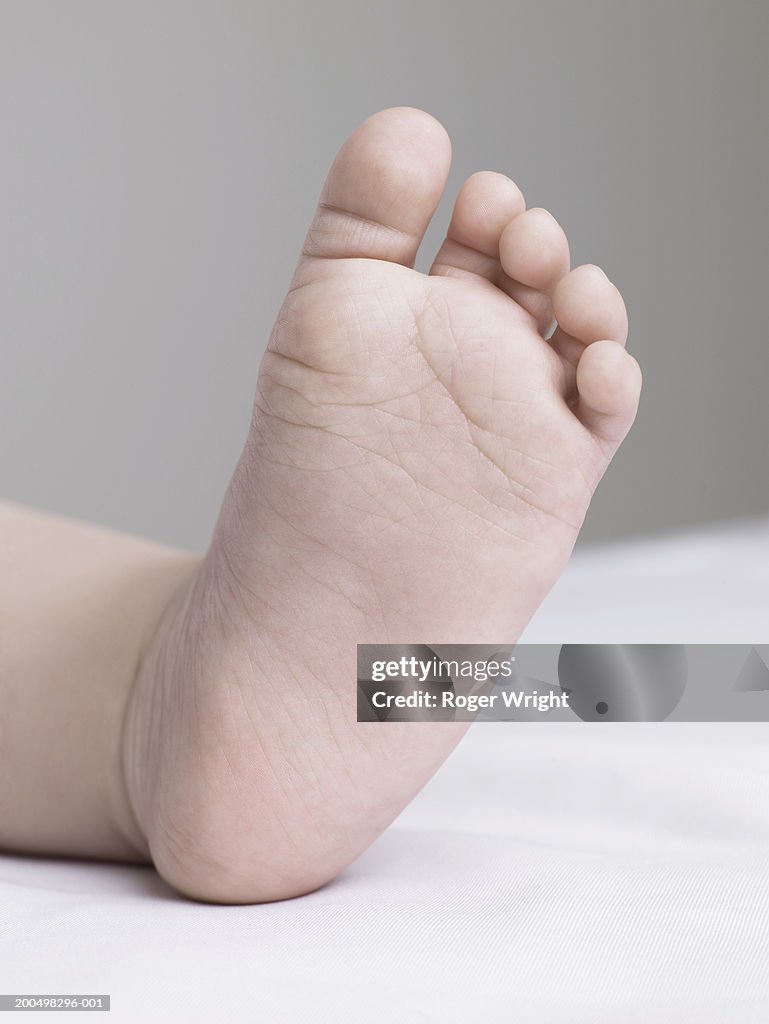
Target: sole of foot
(423,450)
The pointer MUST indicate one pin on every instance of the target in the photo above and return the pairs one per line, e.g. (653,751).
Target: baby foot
(421,457)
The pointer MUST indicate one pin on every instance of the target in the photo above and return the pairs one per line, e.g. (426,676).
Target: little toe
(485,205)
(588,308)
(609,387)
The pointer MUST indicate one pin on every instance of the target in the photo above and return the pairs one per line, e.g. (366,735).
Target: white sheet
(550,873)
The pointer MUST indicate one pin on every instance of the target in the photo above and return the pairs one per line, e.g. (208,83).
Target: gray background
(159,163)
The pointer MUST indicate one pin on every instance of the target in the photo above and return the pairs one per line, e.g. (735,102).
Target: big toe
(382,189)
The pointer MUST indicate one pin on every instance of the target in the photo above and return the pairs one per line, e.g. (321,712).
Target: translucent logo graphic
(623,682)
(569,682)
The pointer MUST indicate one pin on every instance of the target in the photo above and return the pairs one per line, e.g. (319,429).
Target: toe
(485,205)
(609,387)
(588,308)
(382,189)
(534,250)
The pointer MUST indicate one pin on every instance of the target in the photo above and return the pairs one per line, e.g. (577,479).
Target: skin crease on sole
(423,451)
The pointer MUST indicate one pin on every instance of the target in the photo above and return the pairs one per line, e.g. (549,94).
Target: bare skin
(78,605)
(421,457)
